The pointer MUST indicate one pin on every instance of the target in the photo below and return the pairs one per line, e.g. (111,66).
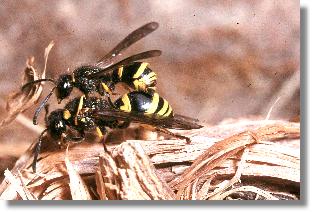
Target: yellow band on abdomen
(154,104)
(164,108)
(140,70)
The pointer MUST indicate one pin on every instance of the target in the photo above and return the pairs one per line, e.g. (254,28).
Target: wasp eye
(64,87)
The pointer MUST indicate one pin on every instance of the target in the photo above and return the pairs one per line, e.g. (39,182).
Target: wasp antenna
(43,103)
(38,81)
(153,25)
(37,150)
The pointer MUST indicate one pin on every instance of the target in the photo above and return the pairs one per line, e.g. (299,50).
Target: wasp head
(56,124)
(64,87)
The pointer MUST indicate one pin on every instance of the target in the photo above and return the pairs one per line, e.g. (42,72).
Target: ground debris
(260,161)
(22,100)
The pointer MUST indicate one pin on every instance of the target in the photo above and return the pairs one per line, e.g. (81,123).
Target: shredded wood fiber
(240,160)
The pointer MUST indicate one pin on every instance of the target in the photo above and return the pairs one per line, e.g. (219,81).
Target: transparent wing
(175,122)
(128,60)
(133,37)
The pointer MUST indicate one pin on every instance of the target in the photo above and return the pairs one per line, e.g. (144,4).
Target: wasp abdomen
(140,102)
(137,75)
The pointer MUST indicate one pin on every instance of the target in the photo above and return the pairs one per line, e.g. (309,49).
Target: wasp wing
(133,37)
(128,60)
(174,122)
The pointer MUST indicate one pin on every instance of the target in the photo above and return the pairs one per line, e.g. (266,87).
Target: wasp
(102,76)
(84,114)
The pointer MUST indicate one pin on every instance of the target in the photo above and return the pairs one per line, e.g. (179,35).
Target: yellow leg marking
(106,88)
(152,75)
(154,104)
(168,112)
(140,70)
(127,106)
(120,72)
(99,132)
(79,109)
(148,79)
(164,108)
(153,79)
(66,114)
(139,85)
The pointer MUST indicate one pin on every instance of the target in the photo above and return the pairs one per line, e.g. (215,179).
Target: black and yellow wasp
(102,76)
(96,114)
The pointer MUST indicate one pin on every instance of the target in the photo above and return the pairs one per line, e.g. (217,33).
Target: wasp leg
(80,105)
(123,125)
(106,89)
(65,138)
(37,150)
(101,131)
(76,139)
(163,130)
(111,103)
(46,108)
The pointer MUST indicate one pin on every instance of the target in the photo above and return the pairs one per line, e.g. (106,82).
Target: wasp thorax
(64,87)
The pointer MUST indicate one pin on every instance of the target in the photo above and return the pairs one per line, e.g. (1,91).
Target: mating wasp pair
(142,105)
(102,76)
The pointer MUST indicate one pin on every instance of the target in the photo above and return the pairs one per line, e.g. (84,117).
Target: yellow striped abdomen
(140,102)
(136,75)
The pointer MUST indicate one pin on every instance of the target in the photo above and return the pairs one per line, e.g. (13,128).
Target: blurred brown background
(221,59)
